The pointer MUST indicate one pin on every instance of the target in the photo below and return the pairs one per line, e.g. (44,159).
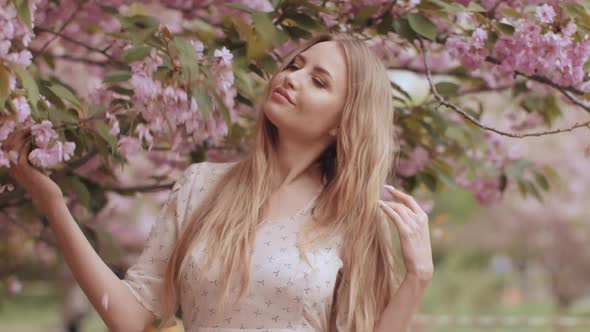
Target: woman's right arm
(123,312)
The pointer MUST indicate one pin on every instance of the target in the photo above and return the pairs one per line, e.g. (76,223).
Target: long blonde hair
(354,169)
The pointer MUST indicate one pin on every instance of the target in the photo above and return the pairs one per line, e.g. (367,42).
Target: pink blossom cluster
(167,109)
(534,49)
(417,160)
(15,36)
(485,190)
(48,150)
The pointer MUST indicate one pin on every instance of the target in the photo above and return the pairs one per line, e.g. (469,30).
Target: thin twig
(471,119)
(66,23)
(82,44)
(72,58)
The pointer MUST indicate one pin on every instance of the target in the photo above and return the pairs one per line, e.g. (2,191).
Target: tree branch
(442,101)
(66,23)
(72,58)
(82,44)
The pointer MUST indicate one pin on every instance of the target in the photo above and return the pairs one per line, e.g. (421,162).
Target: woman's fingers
(397,219)
(408,200)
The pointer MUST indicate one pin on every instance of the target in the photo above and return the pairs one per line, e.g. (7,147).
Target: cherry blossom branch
(563,89)
(442,101)
(66,23)
(71,58)
(540,79)
(82,44)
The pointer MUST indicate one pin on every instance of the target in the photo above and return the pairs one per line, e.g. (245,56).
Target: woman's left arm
(412,224)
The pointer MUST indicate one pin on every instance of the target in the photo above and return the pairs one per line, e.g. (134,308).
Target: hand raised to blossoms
(412,225)
(35,181)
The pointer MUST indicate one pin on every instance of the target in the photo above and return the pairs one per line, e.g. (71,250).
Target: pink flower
(23,57)
(478,38)
(67,149)
(417,160)
(198,46)
(129,146)
(23,110)
(545,14)
(225,56)
(6,128)
(144,133)
(48,157)
(4,161)
(43,133)
(43,158)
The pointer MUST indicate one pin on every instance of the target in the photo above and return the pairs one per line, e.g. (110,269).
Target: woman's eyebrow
(316,68)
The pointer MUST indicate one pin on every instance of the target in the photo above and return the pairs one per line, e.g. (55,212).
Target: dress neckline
(301,211)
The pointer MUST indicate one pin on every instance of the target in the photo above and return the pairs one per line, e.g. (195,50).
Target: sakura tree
(168,83)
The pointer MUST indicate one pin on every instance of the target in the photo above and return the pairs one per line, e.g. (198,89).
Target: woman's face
(315,82)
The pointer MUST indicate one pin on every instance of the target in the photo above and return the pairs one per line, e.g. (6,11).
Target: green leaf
(60,115)
(203,100)
(547,106)
(401,90)
(403,28)
(422,25)
(64,93)
(475,7)
(447,89)
(365,13)
(530,186)
(135,54)
(241,7)
(141,36)
(429,180)
(22,8)
(386,24)
(103,129)
(117,76)
(4,86)
(91,236)
(109,10)
(292,5)
(504,28)
(515,170)
(28,83)
(188,58)
(305,21)
(297,33)
(138,22)
(82,193)
(542,181)
(503,180)
(224,111)
(522,187)
(267,63)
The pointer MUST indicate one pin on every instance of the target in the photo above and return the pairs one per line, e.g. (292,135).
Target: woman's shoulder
(203,172)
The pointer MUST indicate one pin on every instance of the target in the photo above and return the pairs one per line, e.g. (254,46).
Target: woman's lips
(280,93)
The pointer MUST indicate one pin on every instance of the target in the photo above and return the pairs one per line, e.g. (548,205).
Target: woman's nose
(291,81)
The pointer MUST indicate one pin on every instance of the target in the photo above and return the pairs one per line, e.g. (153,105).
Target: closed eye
(316,81)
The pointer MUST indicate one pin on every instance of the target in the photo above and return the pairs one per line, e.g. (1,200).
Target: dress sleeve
(145,277)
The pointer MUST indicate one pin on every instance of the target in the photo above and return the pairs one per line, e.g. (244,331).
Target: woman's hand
(412,224)
(33,180)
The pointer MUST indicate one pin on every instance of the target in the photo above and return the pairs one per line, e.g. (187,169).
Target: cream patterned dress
(284,293)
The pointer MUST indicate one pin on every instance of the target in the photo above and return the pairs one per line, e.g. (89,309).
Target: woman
(292,238)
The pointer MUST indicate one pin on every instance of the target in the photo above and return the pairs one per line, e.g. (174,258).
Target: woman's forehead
(328,55)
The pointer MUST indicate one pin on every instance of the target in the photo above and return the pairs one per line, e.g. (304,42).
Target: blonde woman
(292,238)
